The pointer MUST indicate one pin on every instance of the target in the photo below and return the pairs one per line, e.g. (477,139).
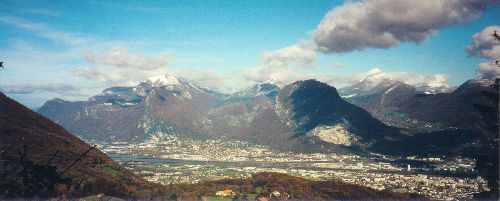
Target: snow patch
(140,91)
(109,92)
(162,80)
(349,96)
(482,82)
(275,82)
(186,95)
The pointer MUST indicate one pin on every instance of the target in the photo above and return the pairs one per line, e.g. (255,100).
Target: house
(226,193)
(280,196)
(262,199)
(276,194)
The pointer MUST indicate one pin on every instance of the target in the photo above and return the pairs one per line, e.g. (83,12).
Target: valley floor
(171,160)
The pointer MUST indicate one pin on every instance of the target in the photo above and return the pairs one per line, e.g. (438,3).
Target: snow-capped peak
(162,80)
(437,85)
(373,81)
(376,79)
(275,82)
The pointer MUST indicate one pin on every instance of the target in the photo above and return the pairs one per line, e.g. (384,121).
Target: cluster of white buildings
(217,159)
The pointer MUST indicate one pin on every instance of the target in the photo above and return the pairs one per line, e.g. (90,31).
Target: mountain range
(464,117)
(305,116)
(402,105)
(41,160)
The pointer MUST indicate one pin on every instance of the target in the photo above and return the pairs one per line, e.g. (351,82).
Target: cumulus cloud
(261,74)
(411,78)
(289,75)
(107,77)
(206,77)
(32,88)
(301,54)
(488,70)
(113,76)
(203,77)
(484,45)
(386,23)
(285,65)
(118,67)
(120,57)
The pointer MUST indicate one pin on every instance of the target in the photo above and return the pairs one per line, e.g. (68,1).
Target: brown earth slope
(30,166)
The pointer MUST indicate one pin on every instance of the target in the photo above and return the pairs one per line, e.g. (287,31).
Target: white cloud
(106,76)
(386,23)
(301,54)
(120,57)
(285,65)
(48,64)
(118,67)
(209,78)
(488,70)
(289,75)
(484,45)
(103,77)
(32,88)
(411,78)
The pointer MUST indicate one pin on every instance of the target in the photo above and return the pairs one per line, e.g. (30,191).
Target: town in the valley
(171,159)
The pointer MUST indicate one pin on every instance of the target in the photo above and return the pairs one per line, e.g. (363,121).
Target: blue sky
(68,49)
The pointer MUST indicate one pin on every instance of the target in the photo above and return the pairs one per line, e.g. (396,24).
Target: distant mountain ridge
(283,117)
(404,106)
(134,113)
(400,101)
(376,83)
(306,116)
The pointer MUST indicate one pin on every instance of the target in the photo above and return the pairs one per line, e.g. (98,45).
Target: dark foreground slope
(35,152)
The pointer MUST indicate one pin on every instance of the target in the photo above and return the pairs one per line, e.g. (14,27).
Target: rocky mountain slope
(316,109)
(459,113)
(306,116)
(402,105)
(161,104)
(303,116)
(376,83)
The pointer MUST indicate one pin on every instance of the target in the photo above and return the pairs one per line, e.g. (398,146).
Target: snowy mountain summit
(162,80)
